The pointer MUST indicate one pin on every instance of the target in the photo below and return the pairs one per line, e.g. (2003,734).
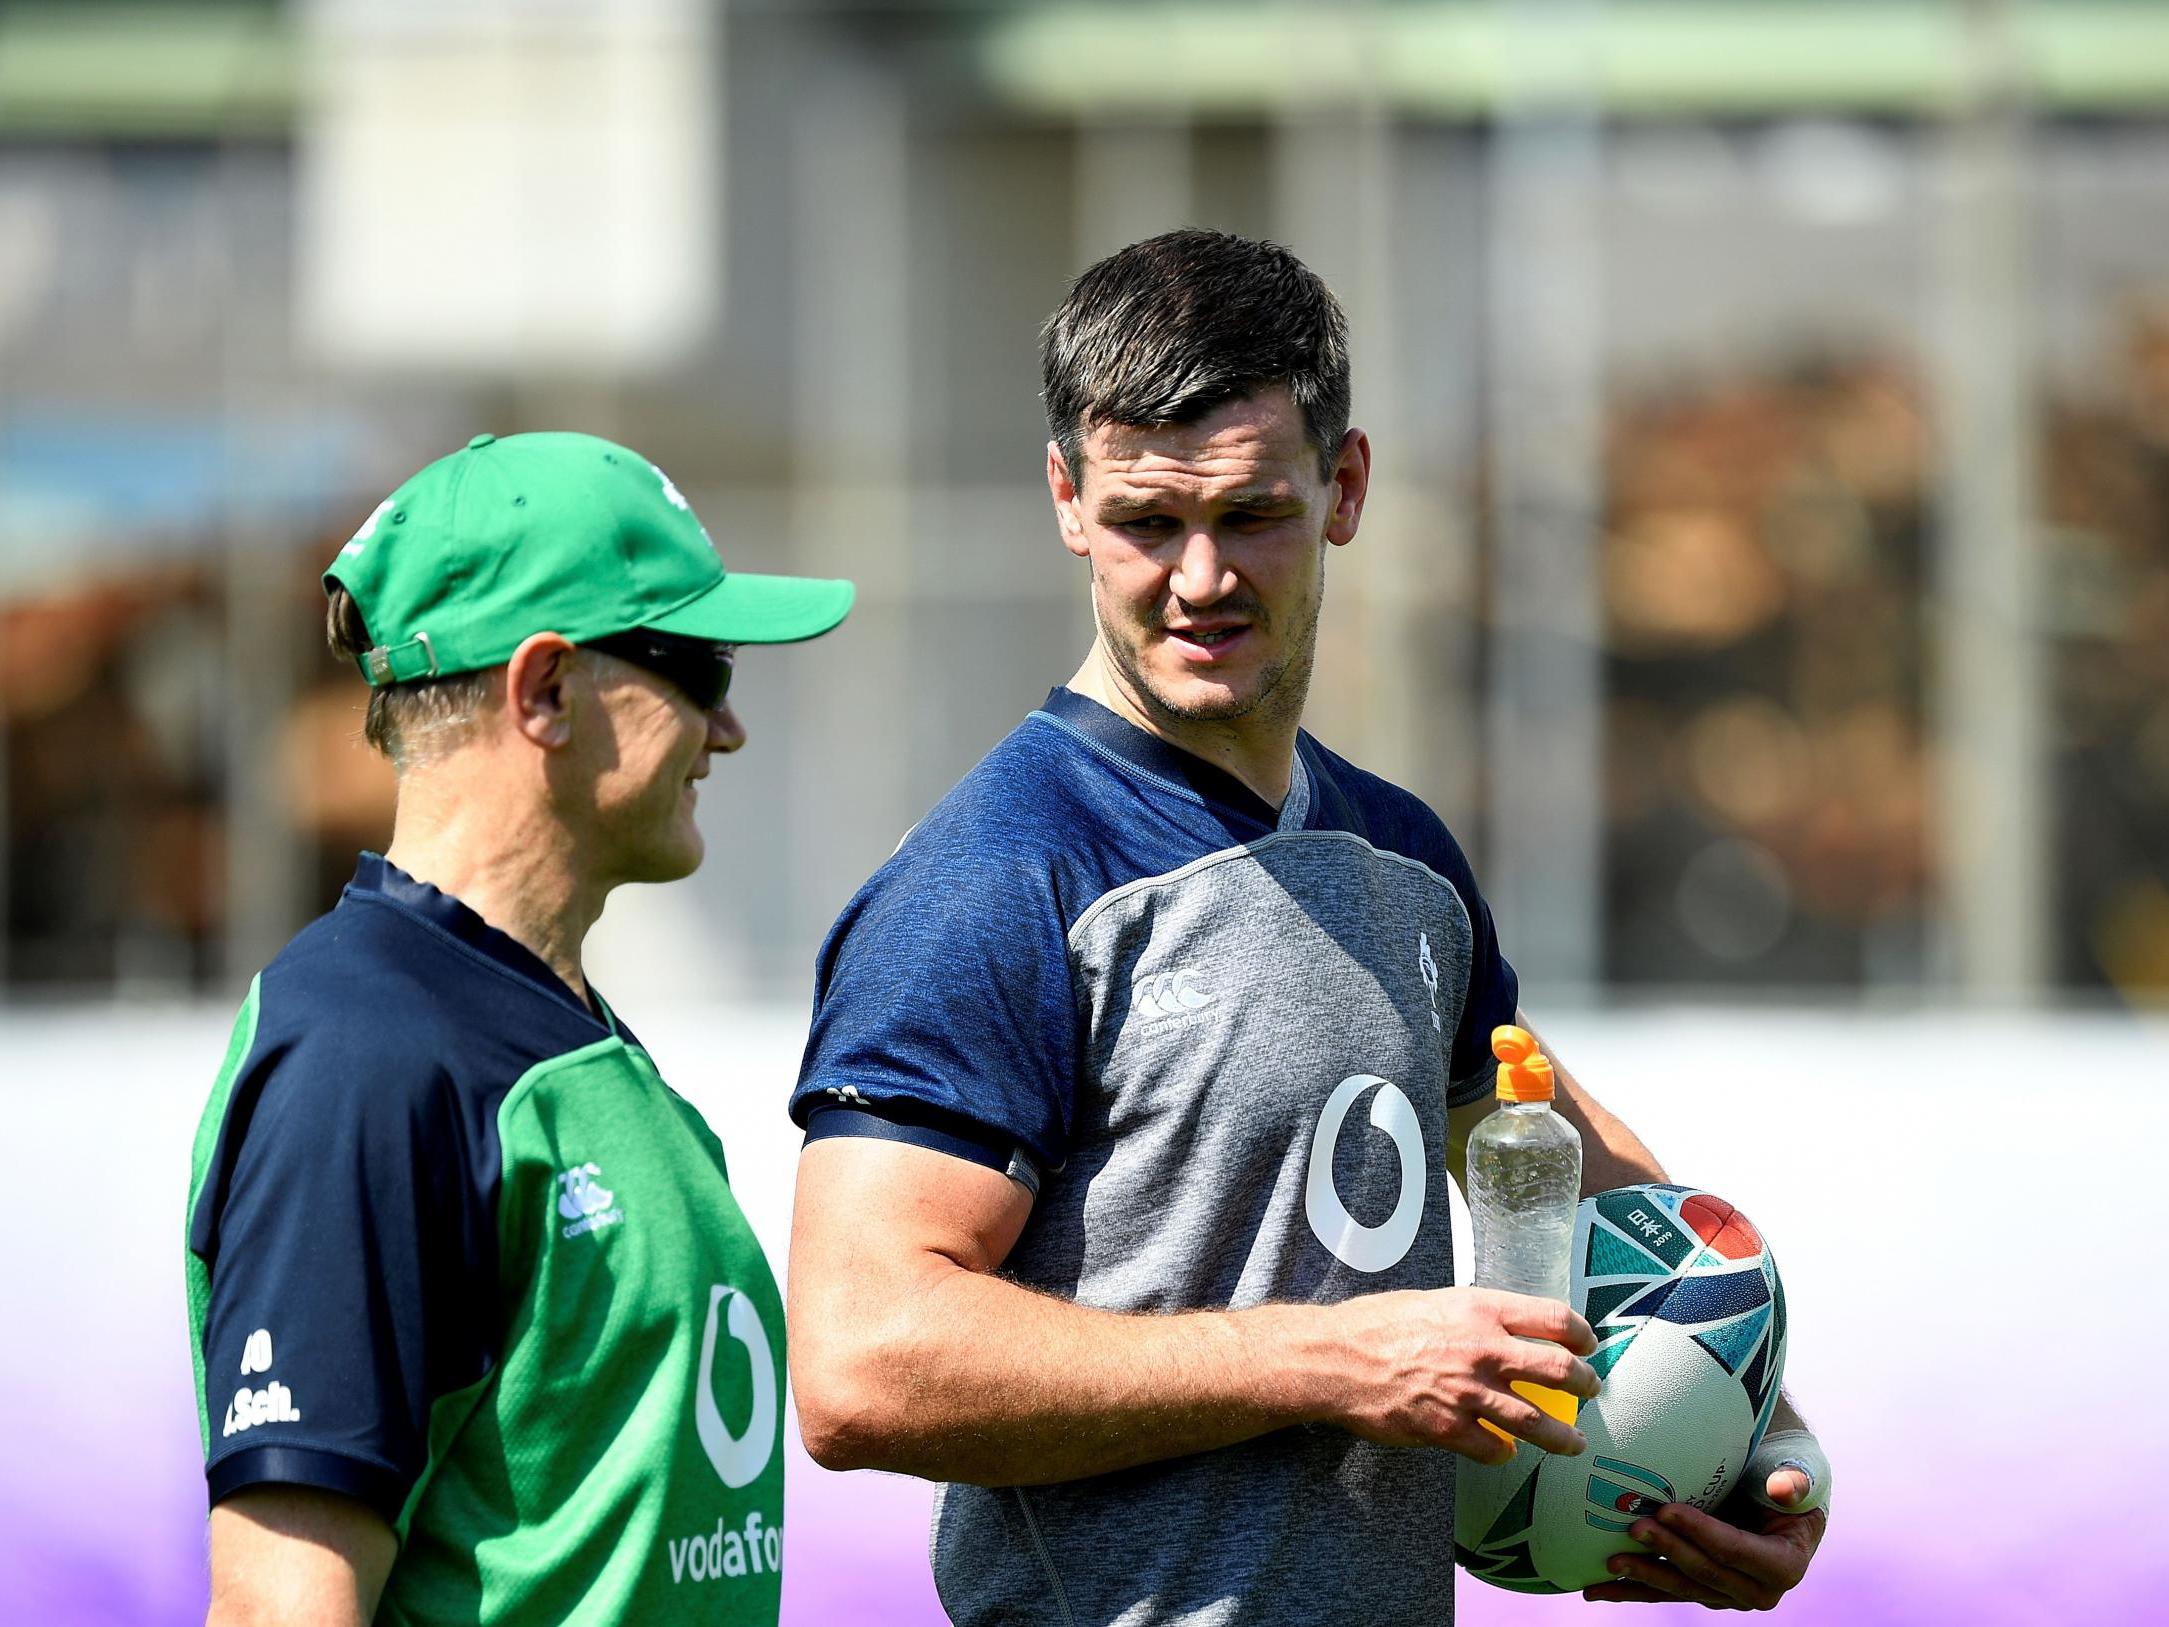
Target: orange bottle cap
(1524,1070)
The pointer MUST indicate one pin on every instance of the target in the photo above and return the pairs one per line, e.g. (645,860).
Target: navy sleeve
(942,1002)
(348,1229)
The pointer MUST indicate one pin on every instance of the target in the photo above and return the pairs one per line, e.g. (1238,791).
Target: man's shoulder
(364,971)
(1388,816)
(371,1002)
(1363,795)
(1025,797)
(1041,827)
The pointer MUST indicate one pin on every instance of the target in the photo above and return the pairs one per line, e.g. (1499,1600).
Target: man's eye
(1148,525)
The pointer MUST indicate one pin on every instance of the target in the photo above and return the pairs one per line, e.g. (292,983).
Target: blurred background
(1767,574)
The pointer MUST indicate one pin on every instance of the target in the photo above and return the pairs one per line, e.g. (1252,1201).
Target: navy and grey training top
(1220,1040)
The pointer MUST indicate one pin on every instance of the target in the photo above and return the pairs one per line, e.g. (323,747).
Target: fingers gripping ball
(1789,1449)
(1689,1315)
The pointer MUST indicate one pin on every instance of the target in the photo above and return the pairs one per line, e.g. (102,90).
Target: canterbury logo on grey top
(1167,994)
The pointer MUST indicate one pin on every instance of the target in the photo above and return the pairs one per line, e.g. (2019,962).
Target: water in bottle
(1525,1182)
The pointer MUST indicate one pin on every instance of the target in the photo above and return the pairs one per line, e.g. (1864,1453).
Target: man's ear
(1068,504)
(1351,484)
(539,681)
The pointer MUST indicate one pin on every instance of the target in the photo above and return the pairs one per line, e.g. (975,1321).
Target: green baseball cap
(557,533)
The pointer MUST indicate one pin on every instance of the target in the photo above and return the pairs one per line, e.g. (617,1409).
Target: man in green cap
(480,1332)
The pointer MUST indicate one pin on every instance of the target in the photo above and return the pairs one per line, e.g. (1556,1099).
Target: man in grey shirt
(1133,1071)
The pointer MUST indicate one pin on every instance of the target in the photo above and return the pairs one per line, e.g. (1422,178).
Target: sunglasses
(699,667)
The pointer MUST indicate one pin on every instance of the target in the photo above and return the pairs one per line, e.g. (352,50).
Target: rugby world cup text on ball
(1715,1484)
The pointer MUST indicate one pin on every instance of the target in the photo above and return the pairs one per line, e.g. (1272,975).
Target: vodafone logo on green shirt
(738,1459)
(729,1552)
(725,1553)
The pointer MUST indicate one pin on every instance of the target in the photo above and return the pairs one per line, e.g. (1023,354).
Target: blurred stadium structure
(1768,574)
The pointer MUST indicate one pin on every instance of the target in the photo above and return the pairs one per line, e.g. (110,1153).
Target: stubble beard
(1277,696)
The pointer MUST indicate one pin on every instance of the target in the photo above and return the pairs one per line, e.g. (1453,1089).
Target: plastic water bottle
(1525,1182)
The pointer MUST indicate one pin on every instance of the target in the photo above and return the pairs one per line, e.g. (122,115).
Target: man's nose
(725,732)
(1201,573)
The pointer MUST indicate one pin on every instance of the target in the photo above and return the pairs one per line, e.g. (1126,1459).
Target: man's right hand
(1430,1364)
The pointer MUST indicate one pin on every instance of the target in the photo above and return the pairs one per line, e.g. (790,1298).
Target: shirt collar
(1295,806)
(1154,756)
(377,877)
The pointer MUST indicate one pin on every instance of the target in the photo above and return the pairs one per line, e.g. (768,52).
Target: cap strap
(399,663)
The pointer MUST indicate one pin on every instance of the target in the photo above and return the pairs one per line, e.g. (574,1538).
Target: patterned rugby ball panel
(1689,1314)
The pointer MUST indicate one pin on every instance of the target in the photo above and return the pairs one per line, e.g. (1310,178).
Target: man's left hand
(1748,1558)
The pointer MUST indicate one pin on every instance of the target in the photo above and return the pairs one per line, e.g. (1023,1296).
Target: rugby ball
(1689,1315)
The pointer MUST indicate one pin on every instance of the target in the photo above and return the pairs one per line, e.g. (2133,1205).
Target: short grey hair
(409,723)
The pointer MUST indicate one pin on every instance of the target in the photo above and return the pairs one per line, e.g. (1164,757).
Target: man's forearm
(1612,1154)
(911,1352)
(979,1380)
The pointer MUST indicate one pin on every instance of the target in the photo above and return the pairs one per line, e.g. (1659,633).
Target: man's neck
(510,863)
(1258,749)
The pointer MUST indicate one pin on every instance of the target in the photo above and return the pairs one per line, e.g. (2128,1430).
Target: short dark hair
(1170,329)
(399,713)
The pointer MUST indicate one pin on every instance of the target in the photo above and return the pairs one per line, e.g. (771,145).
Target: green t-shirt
(456,1250)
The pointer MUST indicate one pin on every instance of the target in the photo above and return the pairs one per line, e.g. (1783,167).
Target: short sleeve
(348,1246)
(943,1005)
